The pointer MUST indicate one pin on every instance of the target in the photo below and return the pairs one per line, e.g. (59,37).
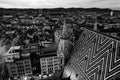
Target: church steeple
(95,25)
(64,29)
(65,34)
(64,44)
(111,14)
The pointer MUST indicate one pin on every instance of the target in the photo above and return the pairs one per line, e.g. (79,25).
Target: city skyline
(59,3)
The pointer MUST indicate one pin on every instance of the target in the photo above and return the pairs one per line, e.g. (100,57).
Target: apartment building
(12,53)
(18,63)
(49,64)
(19,68)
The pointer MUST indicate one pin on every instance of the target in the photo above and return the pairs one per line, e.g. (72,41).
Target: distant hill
(116,8)
(35,11)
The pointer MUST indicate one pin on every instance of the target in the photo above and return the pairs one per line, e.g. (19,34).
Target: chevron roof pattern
(94,57)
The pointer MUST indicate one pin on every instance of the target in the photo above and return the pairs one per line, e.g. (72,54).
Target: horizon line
(55,8)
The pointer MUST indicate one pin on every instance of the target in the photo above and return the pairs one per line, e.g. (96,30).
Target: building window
(28,72)
(27,65)
(12,67)
(51,58)
(50,65)
(56,61)
(43,59)
(76,75)
(56,68)
(15,74)
(44,72)
(43,63)
(27,62)
(49,69)
(27,69)
(9,58)
(55,64)
(43,66)
(55,57)
(13,71)
(17,64)
(48,59)
(44,69)
(50,62)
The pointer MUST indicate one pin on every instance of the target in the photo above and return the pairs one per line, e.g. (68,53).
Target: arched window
(76,75)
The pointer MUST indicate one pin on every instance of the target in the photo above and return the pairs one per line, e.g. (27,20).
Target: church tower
(111,14)
(64,44)
(96,23)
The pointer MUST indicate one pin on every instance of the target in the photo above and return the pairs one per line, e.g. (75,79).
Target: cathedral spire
(95,25)
(111,14)
(64,31)
(65,34)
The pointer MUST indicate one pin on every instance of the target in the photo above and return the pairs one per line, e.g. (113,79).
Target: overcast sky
(59,3)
